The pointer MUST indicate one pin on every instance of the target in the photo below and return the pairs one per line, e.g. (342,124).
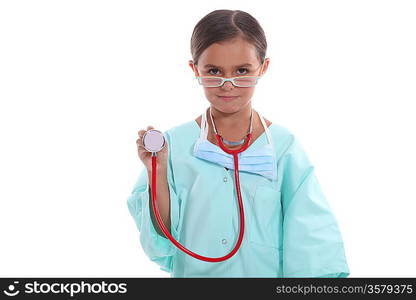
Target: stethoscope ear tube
(240,203)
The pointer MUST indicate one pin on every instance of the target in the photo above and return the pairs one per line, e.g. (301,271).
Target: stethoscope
(154,141)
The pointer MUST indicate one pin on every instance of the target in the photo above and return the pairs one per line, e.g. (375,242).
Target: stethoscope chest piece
(153,140)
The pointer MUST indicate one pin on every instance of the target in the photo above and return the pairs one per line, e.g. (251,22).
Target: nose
(228,84)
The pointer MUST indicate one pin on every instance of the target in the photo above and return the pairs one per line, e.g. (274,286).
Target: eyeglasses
(240,81)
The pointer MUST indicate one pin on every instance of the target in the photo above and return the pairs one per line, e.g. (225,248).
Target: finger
(140,138)
(142,132)
(139,142)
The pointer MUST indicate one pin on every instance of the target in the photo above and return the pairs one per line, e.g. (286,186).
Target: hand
(146,156)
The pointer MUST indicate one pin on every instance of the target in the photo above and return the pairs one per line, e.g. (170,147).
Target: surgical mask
(259,160)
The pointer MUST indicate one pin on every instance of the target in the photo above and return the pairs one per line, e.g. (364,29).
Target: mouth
(227,97)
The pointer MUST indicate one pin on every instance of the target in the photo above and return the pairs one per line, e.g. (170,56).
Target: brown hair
(224,24)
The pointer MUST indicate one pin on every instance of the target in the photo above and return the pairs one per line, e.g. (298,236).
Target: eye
(209,71)
(243,69)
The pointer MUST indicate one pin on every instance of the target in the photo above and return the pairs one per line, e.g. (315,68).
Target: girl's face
(227,59)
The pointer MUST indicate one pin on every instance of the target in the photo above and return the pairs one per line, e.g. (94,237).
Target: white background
(78,79)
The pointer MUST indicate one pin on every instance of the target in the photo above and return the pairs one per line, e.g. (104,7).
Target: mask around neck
(255,159)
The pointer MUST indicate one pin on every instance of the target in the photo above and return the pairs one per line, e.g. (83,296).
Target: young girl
(290,230)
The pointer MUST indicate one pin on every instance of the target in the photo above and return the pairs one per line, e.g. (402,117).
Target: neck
(235,121)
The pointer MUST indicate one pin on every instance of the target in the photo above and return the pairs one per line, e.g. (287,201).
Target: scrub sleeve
(312,242)
(158,248)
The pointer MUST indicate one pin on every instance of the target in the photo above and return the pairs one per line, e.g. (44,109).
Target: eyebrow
(214,66)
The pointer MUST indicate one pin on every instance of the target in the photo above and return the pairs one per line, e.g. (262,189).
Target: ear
(193,67)
(265,66)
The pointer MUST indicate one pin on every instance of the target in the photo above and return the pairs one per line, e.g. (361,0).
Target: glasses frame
(223,80)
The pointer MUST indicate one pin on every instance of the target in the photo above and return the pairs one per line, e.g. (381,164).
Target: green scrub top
(290,230)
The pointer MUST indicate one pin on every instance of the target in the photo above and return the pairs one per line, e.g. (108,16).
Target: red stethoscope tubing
(240,204)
